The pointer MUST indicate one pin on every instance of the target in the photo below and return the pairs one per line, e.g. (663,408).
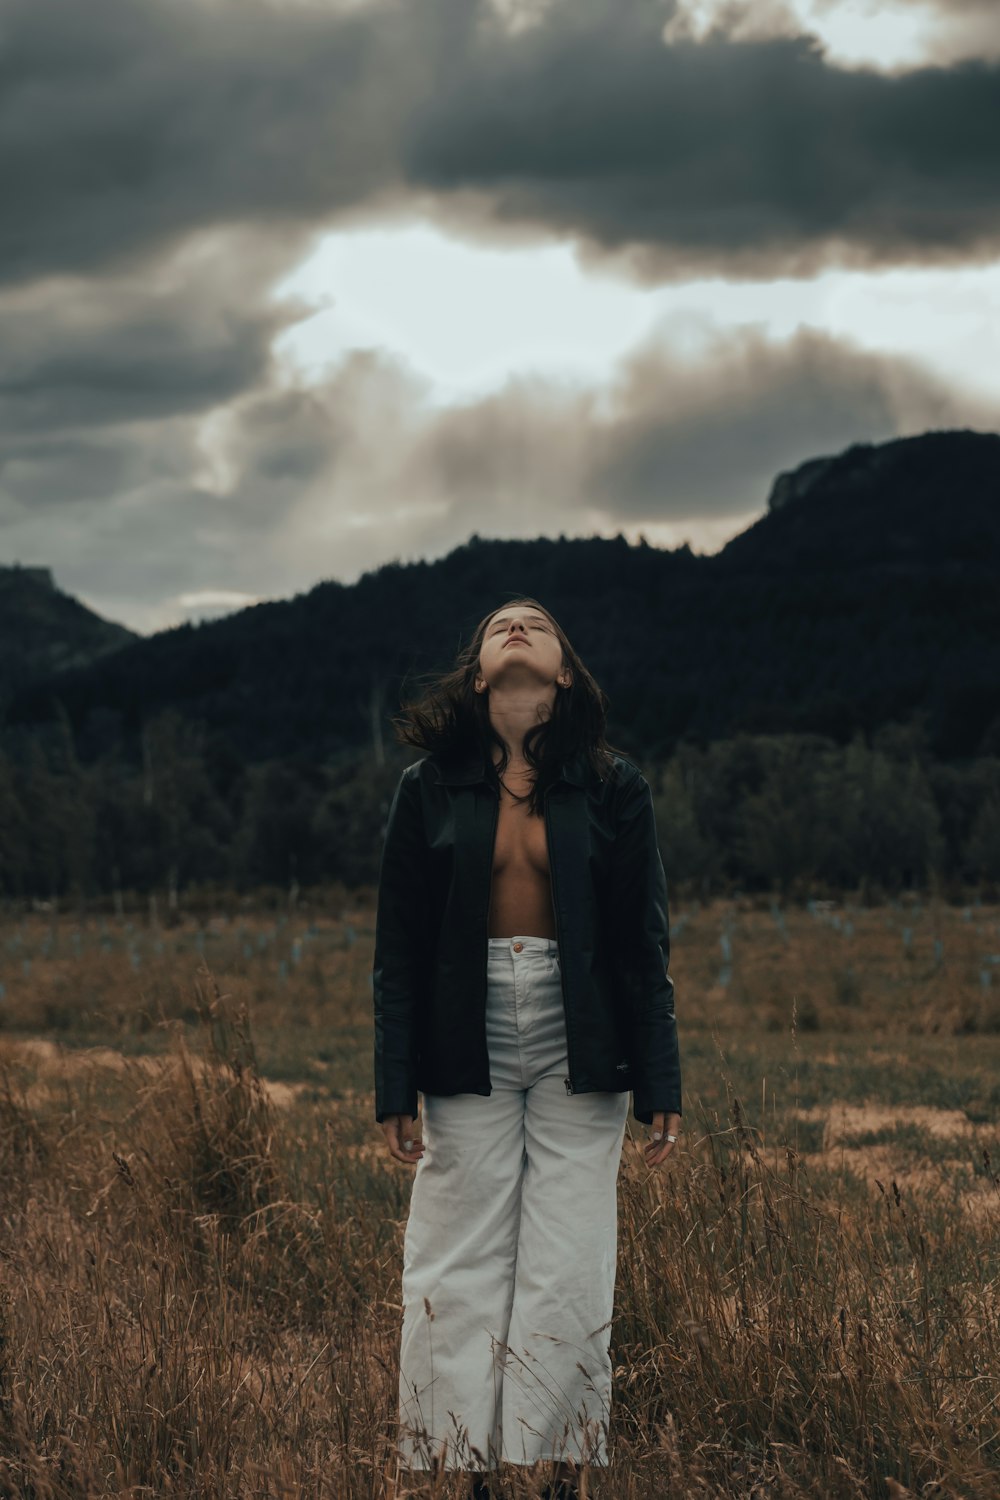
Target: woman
(521,985)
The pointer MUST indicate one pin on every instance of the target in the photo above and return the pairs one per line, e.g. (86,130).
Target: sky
(290,289)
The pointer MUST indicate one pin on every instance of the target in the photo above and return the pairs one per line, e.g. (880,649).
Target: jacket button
(518,947)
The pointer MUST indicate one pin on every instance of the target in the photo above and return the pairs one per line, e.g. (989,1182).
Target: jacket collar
(472,768)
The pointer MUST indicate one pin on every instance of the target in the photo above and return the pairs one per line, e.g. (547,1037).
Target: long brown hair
(450,719)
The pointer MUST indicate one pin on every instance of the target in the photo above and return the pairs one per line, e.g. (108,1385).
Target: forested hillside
(874,596)
(816,705)
(44,630)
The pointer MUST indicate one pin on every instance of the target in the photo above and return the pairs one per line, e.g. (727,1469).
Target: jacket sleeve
(399,975)
(642,927)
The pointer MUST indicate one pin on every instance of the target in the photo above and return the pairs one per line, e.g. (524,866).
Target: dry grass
(200,1233)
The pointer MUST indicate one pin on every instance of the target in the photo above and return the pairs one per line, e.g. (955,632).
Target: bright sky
(468,317)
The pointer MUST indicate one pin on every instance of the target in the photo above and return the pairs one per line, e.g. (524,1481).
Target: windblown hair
(451,720)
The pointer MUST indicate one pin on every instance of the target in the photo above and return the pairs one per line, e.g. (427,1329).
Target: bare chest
(520,840)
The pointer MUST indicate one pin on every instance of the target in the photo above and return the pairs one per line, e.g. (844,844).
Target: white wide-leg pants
(510,1249)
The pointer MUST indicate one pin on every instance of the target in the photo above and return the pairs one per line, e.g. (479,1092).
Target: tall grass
(199,1285)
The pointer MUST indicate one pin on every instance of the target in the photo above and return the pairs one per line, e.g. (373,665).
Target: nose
(516,625)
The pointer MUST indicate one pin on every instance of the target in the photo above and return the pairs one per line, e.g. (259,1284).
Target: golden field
(200,1233)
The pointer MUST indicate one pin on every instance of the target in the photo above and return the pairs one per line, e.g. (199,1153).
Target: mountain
(868,593)
(44,631)
(908,504)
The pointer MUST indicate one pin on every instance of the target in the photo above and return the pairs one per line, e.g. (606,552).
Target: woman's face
(521,646)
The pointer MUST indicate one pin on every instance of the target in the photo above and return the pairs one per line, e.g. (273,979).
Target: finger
(400,1137)
(412,1150)
(656,1141)
(661,1125)
(661,1150)
(409,1140)
(399,1153)
(657,1152)
(659,1146)
(408,1158)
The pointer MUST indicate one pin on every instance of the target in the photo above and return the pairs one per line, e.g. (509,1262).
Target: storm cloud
(130,123)
(182,334)
(746,157)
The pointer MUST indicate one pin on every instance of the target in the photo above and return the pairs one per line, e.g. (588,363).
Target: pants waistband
(517,944)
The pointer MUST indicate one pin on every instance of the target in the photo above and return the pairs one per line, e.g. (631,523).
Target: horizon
(236,608)
(217,610)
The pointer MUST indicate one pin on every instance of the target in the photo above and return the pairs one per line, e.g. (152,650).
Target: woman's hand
(658,1148)
(401,1139)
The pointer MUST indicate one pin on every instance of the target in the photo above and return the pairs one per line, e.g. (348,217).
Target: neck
(514,711)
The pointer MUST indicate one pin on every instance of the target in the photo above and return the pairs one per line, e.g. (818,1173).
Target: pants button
(518,947)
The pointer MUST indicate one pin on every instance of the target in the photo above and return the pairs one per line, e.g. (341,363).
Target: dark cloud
(185,335)
(755,157)
(57,471)
(128,124)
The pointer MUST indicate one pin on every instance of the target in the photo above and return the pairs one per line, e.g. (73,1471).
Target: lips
(516,640)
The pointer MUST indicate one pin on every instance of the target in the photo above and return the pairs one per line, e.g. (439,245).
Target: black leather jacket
(610,901)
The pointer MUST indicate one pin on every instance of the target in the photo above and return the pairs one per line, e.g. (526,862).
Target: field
(200,1229)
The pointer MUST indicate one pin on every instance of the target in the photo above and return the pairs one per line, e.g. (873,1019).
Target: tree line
(795,813)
